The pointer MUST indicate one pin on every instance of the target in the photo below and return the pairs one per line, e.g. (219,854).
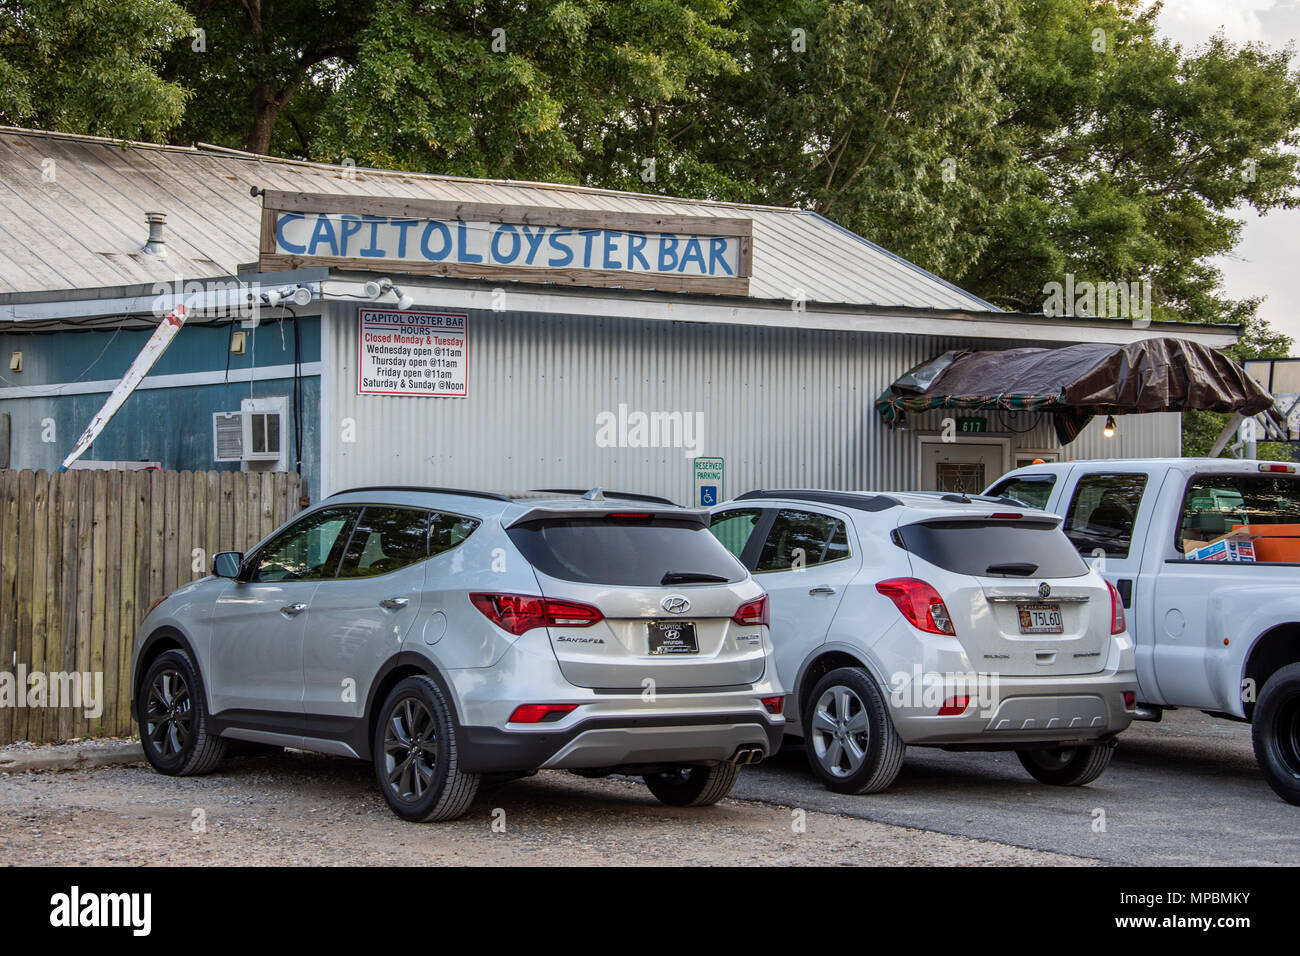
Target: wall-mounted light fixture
(376,288)
(1109,430)
(298,295)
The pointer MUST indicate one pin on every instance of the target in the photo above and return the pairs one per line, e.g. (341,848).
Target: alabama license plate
(672,637)
(1040,619)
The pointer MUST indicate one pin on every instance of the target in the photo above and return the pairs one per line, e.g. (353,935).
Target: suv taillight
(752,612)
(517,613)
(1117,622)
(920,604)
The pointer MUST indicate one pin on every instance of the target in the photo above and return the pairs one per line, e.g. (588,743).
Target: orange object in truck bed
(1277,542)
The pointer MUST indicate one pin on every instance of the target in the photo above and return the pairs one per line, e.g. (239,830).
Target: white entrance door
(965,467)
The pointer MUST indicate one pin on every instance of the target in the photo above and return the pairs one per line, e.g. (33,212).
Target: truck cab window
(1032,490)
(1103,512)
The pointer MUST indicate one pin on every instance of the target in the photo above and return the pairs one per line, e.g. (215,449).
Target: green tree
(90,66)
(1134,156)
(571,91)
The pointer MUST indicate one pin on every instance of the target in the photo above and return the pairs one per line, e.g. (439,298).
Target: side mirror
(226,563)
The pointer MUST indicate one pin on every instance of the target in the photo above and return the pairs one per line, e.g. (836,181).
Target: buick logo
(676,604)
(1044,589)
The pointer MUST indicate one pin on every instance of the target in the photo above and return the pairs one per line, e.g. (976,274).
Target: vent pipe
(157,244)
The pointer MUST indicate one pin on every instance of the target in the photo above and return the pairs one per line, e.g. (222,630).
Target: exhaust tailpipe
(747,755)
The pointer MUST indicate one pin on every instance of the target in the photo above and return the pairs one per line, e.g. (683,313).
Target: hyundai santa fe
(934,620)
(451,637)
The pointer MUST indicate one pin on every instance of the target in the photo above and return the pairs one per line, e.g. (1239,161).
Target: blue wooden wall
(172,425)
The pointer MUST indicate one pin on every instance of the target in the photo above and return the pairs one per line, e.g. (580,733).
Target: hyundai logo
(676,604)
(1044,589)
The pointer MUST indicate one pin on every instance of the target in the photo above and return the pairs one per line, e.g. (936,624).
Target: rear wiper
(1021,568)
(687,577)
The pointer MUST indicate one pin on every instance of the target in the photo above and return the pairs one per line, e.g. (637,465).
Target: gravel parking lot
(300,809)
(1184,791)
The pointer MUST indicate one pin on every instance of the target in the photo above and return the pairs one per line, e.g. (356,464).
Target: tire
(173,717)
(415,727)
(1067,766)
(849,738)
(1275,732)
(693,786)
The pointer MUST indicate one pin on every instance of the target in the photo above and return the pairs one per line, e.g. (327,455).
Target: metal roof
(72,216)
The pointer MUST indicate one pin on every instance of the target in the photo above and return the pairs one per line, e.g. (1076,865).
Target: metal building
(759,336)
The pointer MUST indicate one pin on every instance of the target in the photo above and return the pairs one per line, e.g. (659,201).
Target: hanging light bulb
(1109,430)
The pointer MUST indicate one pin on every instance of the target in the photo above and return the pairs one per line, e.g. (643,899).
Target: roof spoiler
(845,499)
(552,511)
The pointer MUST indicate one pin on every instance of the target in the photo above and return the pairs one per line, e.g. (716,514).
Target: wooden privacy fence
(83,557)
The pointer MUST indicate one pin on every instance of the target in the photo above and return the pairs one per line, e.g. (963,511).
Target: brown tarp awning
(1077,382)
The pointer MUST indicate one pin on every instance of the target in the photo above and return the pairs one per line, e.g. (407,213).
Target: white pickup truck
(1218,636)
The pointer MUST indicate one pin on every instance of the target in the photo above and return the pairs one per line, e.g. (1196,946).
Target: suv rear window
(653,552)
(1009,548)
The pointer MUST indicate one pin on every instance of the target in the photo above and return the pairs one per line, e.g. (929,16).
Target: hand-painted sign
(538,244)
(413,353)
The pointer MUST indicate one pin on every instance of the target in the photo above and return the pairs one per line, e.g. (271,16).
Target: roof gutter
(776,313)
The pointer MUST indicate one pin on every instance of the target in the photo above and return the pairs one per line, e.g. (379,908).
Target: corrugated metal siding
(85,228)
(784,407)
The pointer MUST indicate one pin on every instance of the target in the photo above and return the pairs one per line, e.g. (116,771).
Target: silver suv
(450,636)
(937,620)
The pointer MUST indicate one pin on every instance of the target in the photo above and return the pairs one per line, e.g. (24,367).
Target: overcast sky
(1265,261)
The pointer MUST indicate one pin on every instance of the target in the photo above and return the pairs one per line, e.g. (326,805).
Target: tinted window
(637,552)
(733,528)
(803,539)
(385,540)
(1030,490)
(1103,512)
(307,550)
(994,548)
(446,531)
(1214,504)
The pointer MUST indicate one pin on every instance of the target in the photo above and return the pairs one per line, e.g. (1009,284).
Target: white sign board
(413,353)
(708,482)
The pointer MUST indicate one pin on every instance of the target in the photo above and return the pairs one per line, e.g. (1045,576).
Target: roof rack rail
(845,499)
(491,495)
(628,495)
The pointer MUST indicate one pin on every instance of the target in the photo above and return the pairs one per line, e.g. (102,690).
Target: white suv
(937,620)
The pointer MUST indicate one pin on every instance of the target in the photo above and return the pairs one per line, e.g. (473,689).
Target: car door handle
(293,609)
(394,604)
(822,589)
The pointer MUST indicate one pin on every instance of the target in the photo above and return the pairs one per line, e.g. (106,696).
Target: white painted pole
(148,357)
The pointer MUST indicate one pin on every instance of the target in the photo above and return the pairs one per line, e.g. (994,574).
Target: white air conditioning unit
(257,433)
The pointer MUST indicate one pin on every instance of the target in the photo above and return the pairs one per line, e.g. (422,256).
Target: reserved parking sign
(708,482)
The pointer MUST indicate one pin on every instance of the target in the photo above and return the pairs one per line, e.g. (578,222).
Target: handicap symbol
(708,494)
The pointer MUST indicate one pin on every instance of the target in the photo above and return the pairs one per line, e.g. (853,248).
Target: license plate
(1040,619)
(672,637)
